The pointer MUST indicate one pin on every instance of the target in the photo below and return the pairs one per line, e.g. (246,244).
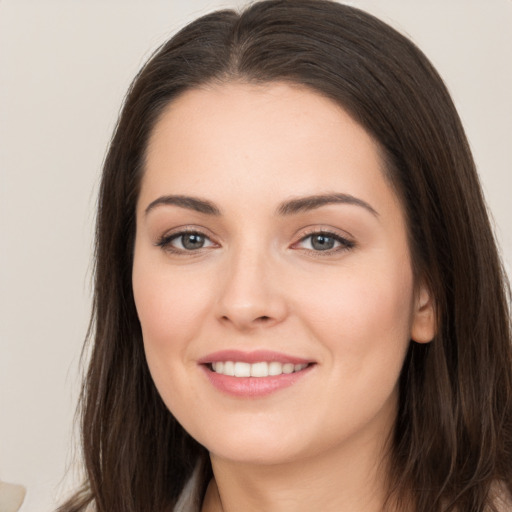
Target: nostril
(244,320)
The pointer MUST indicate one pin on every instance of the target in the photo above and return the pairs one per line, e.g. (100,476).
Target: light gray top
(189,500)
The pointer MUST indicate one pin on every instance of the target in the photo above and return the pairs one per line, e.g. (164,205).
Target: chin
(257,455)
(261,446)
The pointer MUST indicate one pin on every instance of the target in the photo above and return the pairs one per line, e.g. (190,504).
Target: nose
(251,293)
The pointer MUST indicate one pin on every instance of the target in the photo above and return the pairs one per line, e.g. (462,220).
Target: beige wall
(64,67)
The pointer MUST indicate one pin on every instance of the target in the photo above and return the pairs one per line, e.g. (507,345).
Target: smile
(254,374)
(260,369)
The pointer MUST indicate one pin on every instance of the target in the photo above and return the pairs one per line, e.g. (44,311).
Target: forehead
(260,140)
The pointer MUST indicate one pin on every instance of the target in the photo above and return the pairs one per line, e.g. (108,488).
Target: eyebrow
(304,204)
(289,207)
(188,202)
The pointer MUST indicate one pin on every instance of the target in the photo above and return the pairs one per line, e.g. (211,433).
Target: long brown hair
(453,435)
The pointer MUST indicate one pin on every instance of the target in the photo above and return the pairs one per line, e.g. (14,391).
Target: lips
(255,356)
(253,374)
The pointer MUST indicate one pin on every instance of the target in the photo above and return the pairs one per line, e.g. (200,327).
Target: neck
(347,478)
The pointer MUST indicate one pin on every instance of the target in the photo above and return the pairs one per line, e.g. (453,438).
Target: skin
(259,283)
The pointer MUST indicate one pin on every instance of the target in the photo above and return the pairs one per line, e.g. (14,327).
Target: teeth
(229,368)
(242,370)
(288,368)
(261,369)
(275,368)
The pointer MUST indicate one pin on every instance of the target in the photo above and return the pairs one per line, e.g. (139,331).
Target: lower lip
(254,387)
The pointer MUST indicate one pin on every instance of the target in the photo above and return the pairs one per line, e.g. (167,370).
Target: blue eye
(324,242)
(185,241)
(191,241)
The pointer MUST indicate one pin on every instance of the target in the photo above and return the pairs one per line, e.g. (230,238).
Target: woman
(298,298)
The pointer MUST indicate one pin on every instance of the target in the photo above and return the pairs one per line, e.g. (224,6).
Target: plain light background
(64,69)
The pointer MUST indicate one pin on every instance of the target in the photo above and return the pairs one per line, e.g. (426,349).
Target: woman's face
(269,241)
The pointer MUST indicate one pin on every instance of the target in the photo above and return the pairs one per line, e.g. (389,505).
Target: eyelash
(165,242)
(344,243)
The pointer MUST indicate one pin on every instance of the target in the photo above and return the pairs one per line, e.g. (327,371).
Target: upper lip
(255,356)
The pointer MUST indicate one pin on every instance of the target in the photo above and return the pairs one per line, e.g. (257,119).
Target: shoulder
(11,497)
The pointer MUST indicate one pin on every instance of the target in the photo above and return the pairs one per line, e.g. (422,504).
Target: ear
(423,328)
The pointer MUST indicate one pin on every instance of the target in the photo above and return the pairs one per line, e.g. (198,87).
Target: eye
(188,241)
(324,241)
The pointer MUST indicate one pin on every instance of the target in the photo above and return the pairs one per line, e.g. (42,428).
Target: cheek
(169,311)
(364,316)
(159,304)
(171,306)
(365,327)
